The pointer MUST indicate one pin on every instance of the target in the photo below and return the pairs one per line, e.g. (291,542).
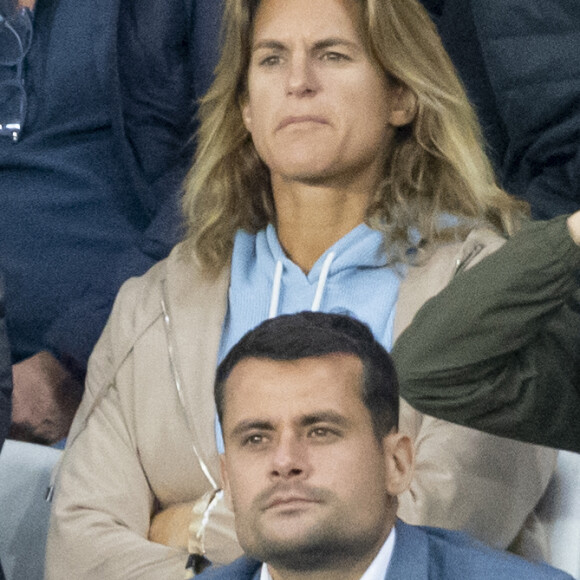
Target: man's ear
(225,481)
(399,462)
(403,107)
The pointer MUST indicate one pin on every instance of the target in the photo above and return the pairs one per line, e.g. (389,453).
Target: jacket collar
(410,560)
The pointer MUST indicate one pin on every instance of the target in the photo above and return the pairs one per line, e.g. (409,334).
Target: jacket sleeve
(129,455)
(163,63)
(499,348)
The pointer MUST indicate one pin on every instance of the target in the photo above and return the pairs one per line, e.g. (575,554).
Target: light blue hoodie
(351,277)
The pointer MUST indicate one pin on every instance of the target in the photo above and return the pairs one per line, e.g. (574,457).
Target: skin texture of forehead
(247,368)
(265,11)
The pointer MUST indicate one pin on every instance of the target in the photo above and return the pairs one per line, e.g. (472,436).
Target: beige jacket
(131,449)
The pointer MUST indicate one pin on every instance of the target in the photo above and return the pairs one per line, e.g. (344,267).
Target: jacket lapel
(410,559)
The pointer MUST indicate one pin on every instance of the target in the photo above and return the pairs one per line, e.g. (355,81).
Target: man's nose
(290,458)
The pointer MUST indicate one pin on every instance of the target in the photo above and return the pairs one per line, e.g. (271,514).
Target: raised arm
(499,348)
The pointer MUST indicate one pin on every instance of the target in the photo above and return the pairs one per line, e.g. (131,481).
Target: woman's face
(318,108)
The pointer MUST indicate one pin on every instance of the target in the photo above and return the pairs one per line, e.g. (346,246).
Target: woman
(325,117)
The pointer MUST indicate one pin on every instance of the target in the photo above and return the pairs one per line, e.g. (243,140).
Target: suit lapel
(410,559)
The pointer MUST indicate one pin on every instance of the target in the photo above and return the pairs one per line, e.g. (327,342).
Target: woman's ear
(246,114)
(404,106)
(399,462)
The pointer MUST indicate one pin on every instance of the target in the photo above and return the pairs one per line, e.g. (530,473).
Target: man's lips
(281,501)
(300,119)
(289,495)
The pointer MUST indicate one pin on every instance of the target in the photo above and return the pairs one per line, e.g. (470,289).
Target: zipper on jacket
(172,353)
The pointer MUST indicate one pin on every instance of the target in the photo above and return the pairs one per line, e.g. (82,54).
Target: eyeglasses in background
(15,40)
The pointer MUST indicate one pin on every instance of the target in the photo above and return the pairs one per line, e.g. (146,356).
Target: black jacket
(520,62)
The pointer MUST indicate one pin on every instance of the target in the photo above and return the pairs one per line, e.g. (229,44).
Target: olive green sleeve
(499,348)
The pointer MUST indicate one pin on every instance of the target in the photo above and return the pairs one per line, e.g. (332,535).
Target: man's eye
(254,439)
(321,433)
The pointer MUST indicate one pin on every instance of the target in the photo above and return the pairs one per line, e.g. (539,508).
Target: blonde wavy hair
(436,165)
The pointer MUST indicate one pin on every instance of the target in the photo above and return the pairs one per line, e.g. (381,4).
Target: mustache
(289,491)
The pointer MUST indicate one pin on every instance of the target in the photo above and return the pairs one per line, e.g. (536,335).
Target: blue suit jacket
(424,553)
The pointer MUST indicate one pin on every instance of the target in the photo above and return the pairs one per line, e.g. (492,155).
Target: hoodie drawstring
(322,282)
(275,298)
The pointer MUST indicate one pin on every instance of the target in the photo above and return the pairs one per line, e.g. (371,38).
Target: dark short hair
(314,334)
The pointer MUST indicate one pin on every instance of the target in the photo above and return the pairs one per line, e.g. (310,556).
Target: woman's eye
(271,60)
(334,56)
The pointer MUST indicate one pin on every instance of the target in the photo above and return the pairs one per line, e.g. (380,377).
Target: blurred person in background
(520,64)
(96,108)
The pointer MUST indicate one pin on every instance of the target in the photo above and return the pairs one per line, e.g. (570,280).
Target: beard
(326,542)
(332,547)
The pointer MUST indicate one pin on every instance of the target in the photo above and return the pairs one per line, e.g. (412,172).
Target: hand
(170,526)
(574,226)
(45,399)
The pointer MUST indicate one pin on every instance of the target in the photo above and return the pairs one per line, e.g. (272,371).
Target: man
(314,462)
(93,148)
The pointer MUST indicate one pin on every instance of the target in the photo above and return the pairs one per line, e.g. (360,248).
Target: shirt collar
(377,569)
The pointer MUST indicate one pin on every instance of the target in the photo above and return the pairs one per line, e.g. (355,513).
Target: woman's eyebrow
(335,41)
(268,44)
(330,42)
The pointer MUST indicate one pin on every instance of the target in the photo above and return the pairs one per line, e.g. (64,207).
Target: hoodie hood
(351,277)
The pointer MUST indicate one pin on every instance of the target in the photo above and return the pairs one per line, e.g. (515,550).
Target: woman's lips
(299,119)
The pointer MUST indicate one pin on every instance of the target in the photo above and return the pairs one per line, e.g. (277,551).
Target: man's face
(318,108)
(309,481)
